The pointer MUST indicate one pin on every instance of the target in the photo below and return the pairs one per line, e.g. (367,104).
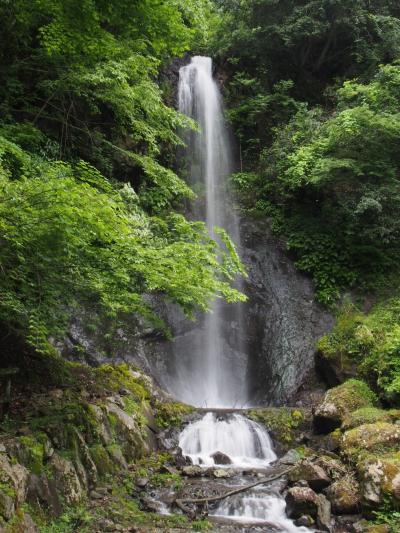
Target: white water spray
(245,442)
(207,376)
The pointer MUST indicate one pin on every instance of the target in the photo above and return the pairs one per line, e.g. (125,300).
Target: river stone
(301,501)
(221,458)
(221,473)
(315,476)
(344,495)
(192,471)
(304,521)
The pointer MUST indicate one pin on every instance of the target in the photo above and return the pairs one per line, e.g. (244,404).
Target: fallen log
(181,502)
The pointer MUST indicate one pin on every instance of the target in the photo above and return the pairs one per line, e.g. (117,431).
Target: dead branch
(181,502)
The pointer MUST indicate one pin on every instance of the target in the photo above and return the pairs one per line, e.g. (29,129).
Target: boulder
(304,521)
(192,471)
(379,478)
(314,474)
(220,458)
(291,457)
(339,402)
(379,437)
(301,501)
(344,495)
(332,466)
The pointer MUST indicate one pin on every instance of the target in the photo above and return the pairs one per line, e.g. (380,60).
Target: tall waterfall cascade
(207,374)
(208,377)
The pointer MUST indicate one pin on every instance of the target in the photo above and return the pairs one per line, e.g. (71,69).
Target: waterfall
(209,370)
(208,376)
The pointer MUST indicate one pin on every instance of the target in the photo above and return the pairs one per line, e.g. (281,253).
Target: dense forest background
(90,207)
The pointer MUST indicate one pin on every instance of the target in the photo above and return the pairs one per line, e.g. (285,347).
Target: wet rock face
(283,321)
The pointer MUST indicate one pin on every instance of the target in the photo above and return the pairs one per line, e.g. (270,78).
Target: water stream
(208,376)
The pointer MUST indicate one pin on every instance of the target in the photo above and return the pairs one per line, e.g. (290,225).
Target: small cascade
(245,442)
(259,509)
(231,440)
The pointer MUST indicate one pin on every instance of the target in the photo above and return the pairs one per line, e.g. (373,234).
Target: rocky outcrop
(67,441)
(314,474)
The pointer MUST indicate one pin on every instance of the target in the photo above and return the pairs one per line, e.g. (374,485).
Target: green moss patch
(375,438)
(171,414)
(282,421)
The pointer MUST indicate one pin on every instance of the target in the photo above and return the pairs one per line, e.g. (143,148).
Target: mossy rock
(344,495)
(171,414)
(380,437)
(366,415)
(103,461)
(282,422)
(379,477)
(339,402)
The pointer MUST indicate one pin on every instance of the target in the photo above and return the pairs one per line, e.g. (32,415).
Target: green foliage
(388,515)
(81,107)
(171,414)
(281,421)
(77,518)
(70,238)
(371,343)
(330,182)
(277,52)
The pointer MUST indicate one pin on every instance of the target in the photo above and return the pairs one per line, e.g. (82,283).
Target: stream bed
(242,452)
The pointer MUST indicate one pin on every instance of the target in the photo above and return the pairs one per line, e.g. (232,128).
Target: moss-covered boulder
(344,495)
(339,402)
(368,415)
(381,437)
(283,423)
(301,501)
(380,478)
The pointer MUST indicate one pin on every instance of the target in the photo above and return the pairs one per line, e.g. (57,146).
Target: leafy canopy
(70,238)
